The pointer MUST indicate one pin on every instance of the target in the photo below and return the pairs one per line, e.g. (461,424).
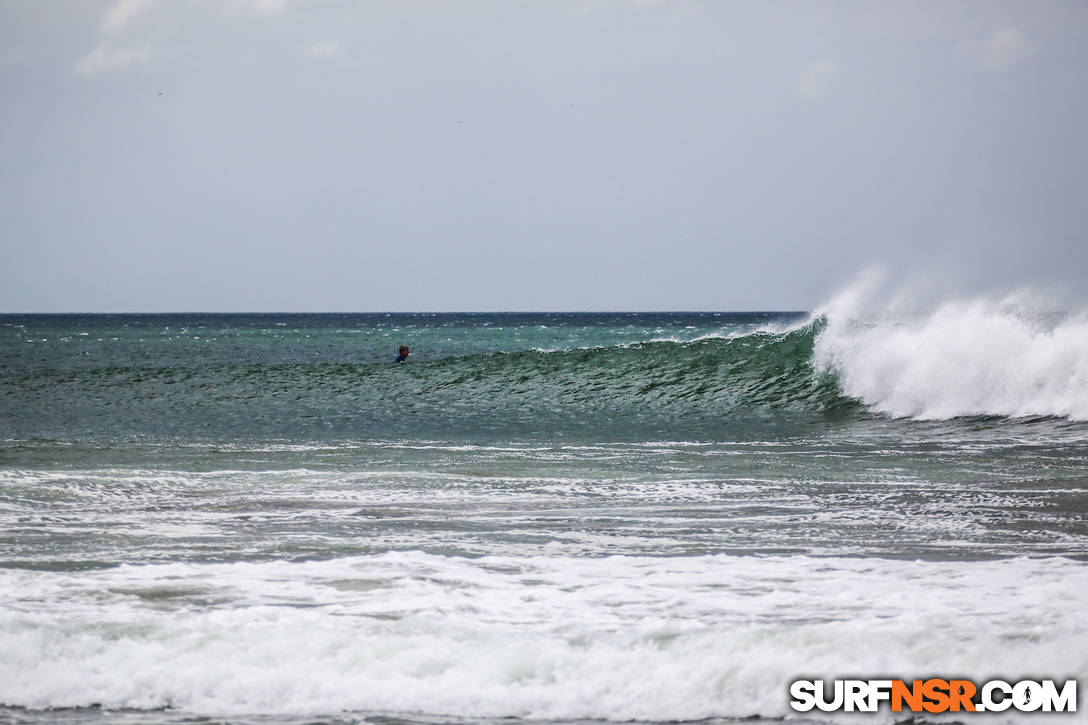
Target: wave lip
(967,358)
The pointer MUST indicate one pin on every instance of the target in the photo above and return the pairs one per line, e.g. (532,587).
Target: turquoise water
(546,517)
(471,376)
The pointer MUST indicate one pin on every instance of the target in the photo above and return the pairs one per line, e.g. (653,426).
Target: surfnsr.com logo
(934,695)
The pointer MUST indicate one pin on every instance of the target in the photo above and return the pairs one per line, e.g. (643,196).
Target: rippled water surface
(556,518)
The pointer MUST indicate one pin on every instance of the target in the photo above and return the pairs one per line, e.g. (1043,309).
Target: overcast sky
(369,155)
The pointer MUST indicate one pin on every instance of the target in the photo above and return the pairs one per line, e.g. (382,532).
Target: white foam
(965,357)
(546,636)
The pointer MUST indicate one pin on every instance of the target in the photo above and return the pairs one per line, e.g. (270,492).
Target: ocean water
(538,517)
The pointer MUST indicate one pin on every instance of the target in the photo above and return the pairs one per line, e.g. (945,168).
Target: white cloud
(815,79)
(324,49)
(104,58)
(121,13)
(262,6)
(1005,48)
(108,56)
(11,58)
(675,11)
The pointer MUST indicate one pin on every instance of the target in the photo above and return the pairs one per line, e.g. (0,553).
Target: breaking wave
(976,357)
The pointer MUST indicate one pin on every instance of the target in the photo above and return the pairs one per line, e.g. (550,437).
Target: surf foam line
(965,358)
(547,637)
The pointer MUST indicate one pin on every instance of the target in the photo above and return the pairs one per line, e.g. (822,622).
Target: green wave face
(703,389)
(709,376)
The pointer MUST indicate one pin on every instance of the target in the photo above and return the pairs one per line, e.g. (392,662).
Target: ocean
(661,517)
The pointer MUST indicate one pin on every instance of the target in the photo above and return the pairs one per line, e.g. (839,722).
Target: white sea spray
(1007,356)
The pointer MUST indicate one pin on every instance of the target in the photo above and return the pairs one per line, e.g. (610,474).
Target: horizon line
(421,312)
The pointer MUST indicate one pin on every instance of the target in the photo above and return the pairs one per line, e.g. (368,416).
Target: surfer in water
(402,354)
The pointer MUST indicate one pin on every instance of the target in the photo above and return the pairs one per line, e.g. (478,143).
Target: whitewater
(1010,356)
(541,517)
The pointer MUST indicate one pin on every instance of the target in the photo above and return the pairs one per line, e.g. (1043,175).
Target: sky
(407,155)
